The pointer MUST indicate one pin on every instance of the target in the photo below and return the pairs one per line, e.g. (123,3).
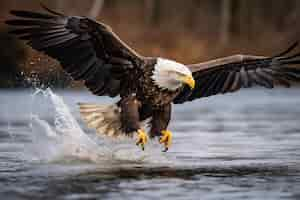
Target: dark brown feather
(228,82)
(236,85)
(130,114)
(160,120)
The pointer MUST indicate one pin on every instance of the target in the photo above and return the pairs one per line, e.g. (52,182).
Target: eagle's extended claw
(142,139)
(166,139)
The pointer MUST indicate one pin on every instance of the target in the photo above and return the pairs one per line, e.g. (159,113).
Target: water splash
(65,140)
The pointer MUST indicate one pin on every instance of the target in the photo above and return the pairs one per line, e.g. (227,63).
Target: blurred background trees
(187,31)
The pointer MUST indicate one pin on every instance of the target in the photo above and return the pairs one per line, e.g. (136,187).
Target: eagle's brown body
(150,100)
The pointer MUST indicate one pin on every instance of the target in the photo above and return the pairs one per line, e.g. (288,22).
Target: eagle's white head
(171,75)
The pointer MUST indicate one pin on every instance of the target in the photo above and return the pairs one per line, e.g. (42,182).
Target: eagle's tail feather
(104,118)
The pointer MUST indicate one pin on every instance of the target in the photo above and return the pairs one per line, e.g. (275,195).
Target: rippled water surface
(240,146)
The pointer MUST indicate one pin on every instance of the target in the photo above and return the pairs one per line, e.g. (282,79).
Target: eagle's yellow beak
(189,80)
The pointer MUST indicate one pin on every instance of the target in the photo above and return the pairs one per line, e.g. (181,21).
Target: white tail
(104,118)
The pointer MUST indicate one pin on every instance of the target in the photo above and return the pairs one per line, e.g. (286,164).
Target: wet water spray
(65,139)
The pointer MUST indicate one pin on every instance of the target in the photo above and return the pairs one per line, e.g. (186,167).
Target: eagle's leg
(142,138)
(131,120)
(166,139)
(159,124)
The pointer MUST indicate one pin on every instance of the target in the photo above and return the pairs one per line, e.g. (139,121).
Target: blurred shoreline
(189,32)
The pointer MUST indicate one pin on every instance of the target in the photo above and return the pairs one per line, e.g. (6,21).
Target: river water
(238,146)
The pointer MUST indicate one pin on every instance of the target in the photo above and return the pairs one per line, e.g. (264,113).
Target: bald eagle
(148,87)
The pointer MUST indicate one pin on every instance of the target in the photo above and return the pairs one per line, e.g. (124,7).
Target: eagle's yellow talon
(166,139)
(142,139)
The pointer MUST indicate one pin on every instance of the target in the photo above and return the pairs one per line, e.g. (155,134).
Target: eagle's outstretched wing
(241,71)
(86,49)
